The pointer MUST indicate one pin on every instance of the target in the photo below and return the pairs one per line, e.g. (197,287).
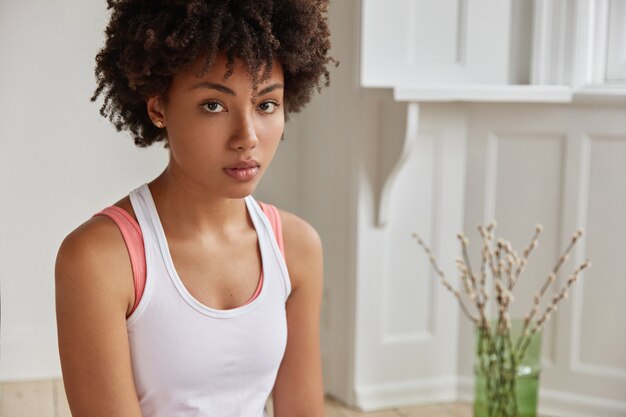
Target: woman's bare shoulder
(300,231)
(97,236)
(303,246)
(92,256)
(94,293)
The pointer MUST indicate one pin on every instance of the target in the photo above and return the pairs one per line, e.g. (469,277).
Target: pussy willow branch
(482,322)
(496,264)
(501,262)
(511,260)
(474,295)
(442,277)
(468,268)
(502,295)
(471,294)
(491,260)
(489,238)
(464,278)
(483,264)
(524,340)
(498,283)
(549,280)
(534,242)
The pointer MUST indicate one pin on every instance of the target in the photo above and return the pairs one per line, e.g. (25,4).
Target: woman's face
(212,125)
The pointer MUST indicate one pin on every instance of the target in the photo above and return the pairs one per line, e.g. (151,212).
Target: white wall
(60,163)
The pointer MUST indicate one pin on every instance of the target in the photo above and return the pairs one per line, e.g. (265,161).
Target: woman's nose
(245,136)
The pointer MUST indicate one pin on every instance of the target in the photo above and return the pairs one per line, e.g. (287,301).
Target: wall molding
(436,179)
(380,397)
(410,139)
(399,394)
(485,93)
(563,404)
(576,364)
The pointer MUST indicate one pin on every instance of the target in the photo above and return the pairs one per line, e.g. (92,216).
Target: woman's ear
(156,111)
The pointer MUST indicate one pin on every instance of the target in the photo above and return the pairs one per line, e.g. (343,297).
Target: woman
(188,297)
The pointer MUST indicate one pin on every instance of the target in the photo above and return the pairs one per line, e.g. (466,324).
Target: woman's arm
(298,391)
(94,289)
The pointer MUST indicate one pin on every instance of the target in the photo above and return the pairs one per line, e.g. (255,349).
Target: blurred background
(442,115)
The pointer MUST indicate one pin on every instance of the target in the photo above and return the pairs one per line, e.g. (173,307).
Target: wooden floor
(47,399)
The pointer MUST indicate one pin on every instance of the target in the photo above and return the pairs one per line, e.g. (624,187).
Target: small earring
(159,124)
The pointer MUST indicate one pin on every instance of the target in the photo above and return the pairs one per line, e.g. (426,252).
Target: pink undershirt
(133,238)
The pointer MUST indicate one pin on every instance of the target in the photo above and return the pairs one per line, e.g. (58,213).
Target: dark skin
(207,226)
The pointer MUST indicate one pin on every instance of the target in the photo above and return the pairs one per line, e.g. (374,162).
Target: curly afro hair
(147,42)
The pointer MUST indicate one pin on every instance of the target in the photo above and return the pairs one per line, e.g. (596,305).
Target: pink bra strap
(272,214)
(133,238)
(274,217)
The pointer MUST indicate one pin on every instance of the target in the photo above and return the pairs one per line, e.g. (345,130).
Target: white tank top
(190,360)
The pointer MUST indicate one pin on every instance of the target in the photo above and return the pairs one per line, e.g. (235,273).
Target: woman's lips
(242,174)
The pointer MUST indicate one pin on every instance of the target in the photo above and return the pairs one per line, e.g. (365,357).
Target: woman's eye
(268,106)
(213,107)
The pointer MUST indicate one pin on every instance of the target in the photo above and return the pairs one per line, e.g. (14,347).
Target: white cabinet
(522,152)
(409,42)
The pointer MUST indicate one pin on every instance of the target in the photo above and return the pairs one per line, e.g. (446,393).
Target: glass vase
(506,377)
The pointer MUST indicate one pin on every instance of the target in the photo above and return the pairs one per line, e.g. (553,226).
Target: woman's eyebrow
(270,88)
(224,89)
(214,86)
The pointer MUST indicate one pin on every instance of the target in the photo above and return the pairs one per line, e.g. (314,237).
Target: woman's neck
(189,209)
